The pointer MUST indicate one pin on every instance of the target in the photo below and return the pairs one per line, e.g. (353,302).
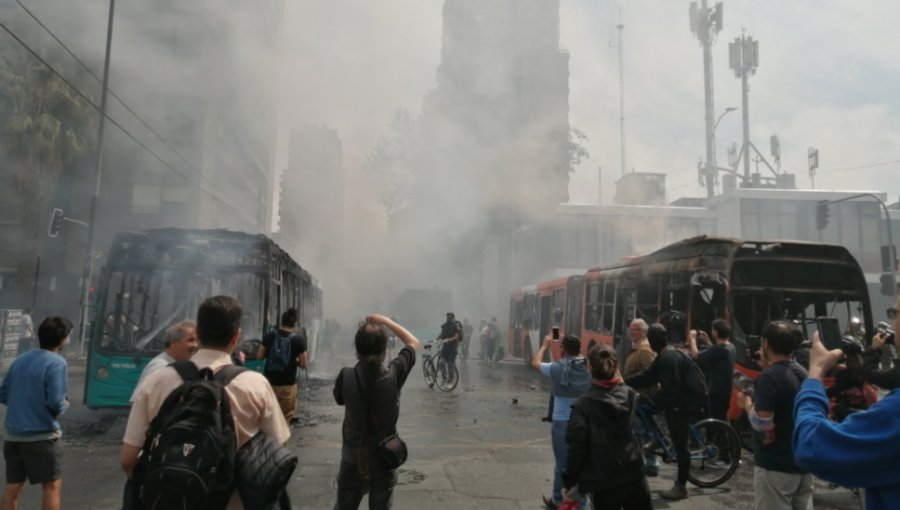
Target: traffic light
(888,285)
(822,214)
(56,222)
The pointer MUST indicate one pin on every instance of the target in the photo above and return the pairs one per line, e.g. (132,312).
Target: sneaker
(651,470)
(678,491)
(548,503)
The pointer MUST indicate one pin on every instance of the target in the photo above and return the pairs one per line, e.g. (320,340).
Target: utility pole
(743,58)
(706,22)
(621,27)
(88,274)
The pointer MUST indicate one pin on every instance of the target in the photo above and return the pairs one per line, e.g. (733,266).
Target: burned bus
(689,284)
(155,278)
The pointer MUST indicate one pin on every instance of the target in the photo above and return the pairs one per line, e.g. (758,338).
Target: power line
(115,123)
(119,99)
(862,167)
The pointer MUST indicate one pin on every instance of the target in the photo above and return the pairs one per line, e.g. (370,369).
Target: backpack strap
(187,370)
(225,374)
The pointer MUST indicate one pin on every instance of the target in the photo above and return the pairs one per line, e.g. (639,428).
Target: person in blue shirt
(862,450)
(34,391)
(569,377)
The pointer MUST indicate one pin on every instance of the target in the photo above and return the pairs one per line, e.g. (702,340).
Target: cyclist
(681,397)
(451,331)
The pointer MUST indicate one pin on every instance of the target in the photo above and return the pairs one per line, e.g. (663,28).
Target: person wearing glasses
(862,450)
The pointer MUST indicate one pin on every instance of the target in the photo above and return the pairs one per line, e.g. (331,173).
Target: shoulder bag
(391,450)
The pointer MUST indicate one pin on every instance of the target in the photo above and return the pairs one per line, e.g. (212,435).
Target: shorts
(38,461)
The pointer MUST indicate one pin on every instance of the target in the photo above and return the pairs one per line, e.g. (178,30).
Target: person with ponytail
(604,455)
(370,394)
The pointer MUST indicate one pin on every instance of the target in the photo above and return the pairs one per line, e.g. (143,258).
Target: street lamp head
(730,109)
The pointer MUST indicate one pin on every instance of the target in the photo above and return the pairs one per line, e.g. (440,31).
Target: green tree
(44,129)
(392,162)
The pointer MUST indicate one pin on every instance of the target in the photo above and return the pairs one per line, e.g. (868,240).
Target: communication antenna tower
(706,23)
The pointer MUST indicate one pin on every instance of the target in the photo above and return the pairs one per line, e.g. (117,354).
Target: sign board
(10,328)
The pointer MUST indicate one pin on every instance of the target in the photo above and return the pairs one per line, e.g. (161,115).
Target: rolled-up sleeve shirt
(254,406)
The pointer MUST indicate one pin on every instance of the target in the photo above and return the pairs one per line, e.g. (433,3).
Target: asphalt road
(481,446)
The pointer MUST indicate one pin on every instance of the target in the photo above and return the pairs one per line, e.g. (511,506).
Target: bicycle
(441,373)
(714,446)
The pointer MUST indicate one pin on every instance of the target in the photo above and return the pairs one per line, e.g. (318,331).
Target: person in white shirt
(180,343)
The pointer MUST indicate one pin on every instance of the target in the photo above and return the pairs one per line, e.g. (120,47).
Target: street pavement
(481,446)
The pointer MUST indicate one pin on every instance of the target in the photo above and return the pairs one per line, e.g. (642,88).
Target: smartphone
(556,332)
(829,332)
(754,344)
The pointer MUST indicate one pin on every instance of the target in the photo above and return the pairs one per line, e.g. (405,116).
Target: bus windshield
(781,291)
(140,305)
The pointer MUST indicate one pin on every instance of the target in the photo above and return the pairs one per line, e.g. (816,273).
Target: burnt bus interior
(795,282)
(688,285)
(154,279)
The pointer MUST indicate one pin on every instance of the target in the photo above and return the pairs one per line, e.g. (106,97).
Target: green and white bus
(155,278)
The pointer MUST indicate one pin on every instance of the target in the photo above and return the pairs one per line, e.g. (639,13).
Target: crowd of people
(202,429)
(597,439)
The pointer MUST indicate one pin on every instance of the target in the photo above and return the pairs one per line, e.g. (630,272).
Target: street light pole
(88,273)
(887,215)
(726,112)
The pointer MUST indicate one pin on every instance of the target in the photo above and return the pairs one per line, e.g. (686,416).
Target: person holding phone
(569,377)
(862,450)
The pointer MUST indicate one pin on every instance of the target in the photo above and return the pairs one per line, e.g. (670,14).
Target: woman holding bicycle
(604,455)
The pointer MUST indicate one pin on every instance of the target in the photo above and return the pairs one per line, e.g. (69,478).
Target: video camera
(885,329)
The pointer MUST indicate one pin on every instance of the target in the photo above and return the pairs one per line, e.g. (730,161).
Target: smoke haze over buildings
(227,83)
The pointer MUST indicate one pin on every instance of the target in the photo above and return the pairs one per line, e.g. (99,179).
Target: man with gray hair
(180,345)
(640,357)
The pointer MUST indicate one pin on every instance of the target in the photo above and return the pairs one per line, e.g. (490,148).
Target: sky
(826,79)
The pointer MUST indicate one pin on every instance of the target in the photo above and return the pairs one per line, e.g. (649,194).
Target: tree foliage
(44,128)
(392,162)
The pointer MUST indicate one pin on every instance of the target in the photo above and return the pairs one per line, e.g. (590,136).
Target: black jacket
(670,369)
(603,451)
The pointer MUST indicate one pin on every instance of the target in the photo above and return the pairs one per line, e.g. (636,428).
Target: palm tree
(43,132)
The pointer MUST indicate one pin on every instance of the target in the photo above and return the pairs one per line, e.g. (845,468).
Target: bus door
(626,310)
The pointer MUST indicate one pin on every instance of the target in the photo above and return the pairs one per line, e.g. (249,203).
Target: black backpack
(278,356)
(188,458)
(695,393)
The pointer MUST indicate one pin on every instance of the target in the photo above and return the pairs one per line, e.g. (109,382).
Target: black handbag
(391,450)
(264,469)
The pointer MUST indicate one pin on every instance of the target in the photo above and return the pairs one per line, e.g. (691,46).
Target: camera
(885,329)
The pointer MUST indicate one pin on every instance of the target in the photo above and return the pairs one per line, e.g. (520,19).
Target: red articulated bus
(689,284)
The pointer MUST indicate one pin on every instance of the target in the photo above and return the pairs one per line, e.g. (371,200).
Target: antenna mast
(621,27)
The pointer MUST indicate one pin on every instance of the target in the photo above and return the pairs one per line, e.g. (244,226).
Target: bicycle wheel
(430,373)
(715,452)
(447,376)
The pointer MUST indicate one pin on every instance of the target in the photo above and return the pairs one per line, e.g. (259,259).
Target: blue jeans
(560,454)
(644,436)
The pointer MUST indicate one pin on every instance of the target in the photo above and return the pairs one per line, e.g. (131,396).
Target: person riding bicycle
(681,397)
(451,332)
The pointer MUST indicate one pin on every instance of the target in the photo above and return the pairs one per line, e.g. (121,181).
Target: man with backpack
(682,396)
(284,350)
(174,450)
